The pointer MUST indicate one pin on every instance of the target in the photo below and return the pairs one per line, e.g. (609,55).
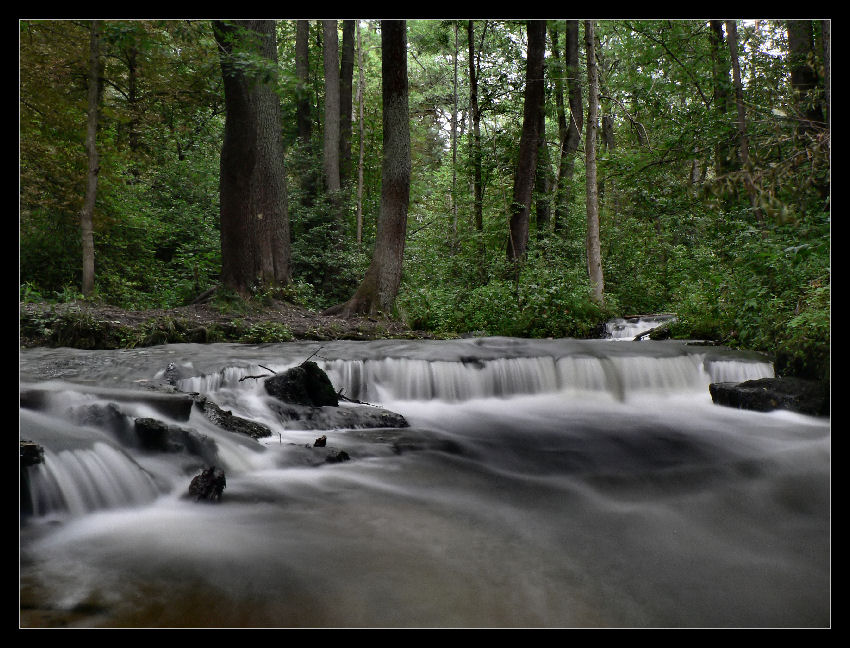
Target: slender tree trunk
(361,95)
(594,254)
(379,288)
(526,168)
(303,112)
(827,54)
(454,138)
(302,73)
(330,51)
(569,131)
(475,133)
(543,180)
(254,219)
(346,75)
(87,212)
(743,144)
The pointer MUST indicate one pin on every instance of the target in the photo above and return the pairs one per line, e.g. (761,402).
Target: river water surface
(541,483)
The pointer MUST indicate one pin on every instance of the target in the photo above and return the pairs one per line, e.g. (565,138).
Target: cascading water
(540,483)
(627,328)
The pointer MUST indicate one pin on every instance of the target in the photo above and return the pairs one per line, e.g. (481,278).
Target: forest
(487,177)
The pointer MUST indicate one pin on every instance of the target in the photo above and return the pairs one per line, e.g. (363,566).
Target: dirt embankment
(93,326)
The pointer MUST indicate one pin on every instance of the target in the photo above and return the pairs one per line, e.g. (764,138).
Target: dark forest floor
(92,326)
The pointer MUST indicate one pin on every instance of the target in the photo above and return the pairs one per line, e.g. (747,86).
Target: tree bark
(804,78)
(543,180)
(569,131)
(475,132)
(826,26)
(255,243)
(346,78)
(454,137)
(330,51)
(361,131)
(594,254)
(526,168)
(87,211)
(723,155)
(303,111)
(379,288)
(743,144)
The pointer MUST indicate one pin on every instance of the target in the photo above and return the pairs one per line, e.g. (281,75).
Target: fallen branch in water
(263,376)
(353,400)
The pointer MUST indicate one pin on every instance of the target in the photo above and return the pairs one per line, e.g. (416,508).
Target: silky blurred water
(541,483)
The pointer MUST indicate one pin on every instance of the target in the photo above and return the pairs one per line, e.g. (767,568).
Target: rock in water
(766,394)
(208,485)
(305,384)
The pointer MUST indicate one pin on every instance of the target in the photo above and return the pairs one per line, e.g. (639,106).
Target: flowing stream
(540,483)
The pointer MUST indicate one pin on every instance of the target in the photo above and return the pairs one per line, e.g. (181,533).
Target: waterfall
(538,483)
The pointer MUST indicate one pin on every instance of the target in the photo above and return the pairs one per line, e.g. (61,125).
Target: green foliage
(265,332)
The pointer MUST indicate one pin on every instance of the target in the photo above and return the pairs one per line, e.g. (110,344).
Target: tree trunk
(330,51)
(804,78)
(594,255)
(526,168)
(379,288)
(543,180)
(346,76)
(87,212)
(361,132)
(475,133)
(303,112)
(569,131)
(254,221)
(827,54)
(723,154)
(454,138)
(743,144)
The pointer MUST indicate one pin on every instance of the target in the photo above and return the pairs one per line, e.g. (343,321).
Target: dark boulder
(306,384)
(766,394)
(335,418)
(156,436)
(31,453)
(227,421)
(208,485)
(321,442)
(336,456)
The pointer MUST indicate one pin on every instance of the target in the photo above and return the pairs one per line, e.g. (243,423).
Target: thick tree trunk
(87,212)
(743,144)
(254,221)
(594,254)
(346,82)
(475,133)
(330,50)
(379,288)
(526,168)
(804,78)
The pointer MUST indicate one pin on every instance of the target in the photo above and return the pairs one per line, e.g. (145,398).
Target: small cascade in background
(628,328)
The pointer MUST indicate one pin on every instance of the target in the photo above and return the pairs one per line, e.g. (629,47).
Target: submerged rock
(208,485)
(227,421)
(333,418)
(306,384)
(766,394)
(156,436)
(31,453)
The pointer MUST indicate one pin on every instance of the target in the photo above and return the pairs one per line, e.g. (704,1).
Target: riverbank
(87,325)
